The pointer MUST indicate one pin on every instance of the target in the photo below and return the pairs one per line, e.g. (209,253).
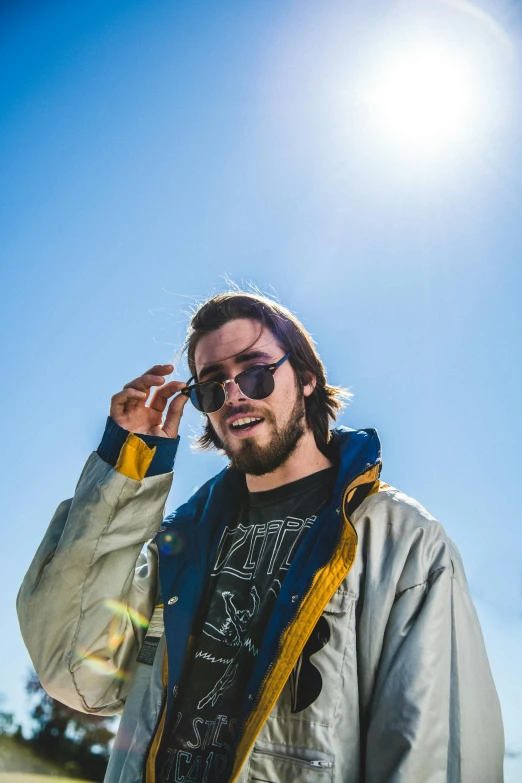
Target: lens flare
(170,543)
(102,666)
(116,638)
(105,665)
(122,610)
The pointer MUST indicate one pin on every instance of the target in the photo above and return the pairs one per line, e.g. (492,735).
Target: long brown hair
(325,401)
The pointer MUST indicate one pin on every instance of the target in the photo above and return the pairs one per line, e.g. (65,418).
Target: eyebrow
(241,358)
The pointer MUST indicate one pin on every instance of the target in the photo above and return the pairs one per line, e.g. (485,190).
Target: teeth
(240,422)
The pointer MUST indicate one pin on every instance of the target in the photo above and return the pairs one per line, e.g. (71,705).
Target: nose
(233,393)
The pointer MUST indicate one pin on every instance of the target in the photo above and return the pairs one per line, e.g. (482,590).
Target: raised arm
(90,591)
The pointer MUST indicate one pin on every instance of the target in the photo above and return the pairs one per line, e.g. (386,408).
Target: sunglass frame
(186,391)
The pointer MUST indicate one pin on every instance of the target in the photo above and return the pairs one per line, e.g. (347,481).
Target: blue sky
(149,149)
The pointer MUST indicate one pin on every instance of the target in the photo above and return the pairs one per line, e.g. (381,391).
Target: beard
(258,460)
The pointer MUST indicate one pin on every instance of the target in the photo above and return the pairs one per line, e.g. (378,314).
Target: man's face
(263,445)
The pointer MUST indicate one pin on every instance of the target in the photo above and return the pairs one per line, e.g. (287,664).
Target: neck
(303,461)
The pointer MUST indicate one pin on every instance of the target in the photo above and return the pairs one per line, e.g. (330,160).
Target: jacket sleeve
(88,596)
(435,712)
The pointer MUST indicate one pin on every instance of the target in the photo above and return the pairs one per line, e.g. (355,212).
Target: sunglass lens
(207,397)
(256,383)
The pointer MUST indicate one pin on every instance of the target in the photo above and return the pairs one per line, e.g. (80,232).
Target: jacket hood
(355,452)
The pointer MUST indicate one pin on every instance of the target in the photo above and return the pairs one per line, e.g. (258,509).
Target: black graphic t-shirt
(251,562)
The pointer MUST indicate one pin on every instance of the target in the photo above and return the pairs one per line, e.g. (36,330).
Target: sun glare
(426,97)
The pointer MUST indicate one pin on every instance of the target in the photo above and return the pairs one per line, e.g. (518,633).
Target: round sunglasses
(256,383)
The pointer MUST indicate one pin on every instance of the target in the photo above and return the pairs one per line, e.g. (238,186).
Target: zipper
(153,735)
(310,762)
(269,670)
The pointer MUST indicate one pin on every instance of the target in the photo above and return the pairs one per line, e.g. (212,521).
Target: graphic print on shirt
(241,548)
(233,634)
(306,682)
(247,552)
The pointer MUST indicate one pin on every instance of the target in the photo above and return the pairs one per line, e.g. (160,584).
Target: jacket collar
(353,452)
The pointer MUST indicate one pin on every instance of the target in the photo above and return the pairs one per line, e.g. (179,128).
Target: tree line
(77,741)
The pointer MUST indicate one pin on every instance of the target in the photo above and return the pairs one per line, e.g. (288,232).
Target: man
(296,620)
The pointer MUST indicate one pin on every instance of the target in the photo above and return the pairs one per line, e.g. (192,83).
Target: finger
(161,396)
(145,382)
(174,414)
(158,371)
(125,398)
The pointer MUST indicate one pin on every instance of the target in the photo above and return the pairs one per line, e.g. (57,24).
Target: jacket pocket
(273,763)
(323,672)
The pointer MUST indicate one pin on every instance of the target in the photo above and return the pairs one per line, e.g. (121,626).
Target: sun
(425,97)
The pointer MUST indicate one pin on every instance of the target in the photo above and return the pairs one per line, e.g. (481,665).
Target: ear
(310,383)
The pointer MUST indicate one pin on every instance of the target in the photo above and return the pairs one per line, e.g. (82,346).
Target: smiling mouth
(245,424)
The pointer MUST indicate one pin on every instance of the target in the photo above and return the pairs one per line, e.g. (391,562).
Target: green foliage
(77,740)
(6,723)
(7,727)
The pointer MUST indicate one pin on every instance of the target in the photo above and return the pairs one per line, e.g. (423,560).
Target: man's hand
(129,409)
